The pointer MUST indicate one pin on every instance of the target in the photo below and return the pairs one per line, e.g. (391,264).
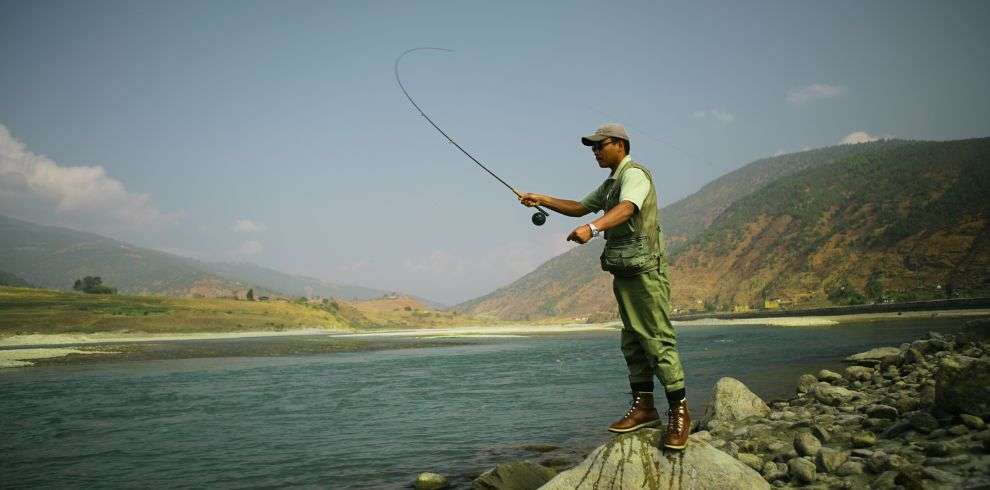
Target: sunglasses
(601,144)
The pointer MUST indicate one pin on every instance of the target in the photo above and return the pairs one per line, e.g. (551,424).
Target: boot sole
(635,427)
(668,446)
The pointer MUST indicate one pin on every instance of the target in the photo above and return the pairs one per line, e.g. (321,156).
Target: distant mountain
(8,279)
(288,284)
(898,223)
(54,257)
(572,285)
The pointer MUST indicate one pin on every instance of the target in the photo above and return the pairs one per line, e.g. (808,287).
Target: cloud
(353,266)
(75,191)
(858,137)
(798,96)
(249,248)
(720,116)
(780,152)
(248,226)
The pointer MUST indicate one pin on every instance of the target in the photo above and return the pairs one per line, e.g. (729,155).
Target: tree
(93,285)
(250,294)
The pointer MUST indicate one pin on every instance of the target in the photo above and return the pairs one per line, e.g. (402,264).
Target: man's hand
(581,234)
(529,199)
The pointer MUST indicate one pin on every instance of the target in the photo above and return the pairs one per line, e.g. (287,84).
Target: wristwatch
(594,230)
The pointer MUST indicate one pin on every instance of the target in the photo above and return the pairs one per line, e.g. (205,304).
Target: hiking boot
(678,426)
(641,414)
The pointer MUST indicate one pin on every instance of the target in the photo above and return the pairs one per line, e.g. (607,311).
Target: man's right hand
(529,199)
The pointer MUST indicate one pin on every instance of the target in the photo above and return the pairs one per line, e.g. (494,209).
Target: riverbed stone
(849,468)
(733,401)
(859,373)
(514,475)
(430,481)
(972,421)
(873,356)
(828,376)
(806,382)
(828,460)
(806,444)
(774,471)
(801,470)
(881,412)
(962,385)
(821,433)
(886,481)
(751,460)
(633,461)
(922,421)
(833,395)
(864,439)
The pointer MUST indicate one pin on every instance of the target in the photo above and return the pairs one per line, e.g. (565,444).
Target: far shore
(26,350)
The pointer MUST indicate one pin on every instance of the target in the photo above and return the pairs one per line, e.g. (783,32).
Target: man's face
(609,152)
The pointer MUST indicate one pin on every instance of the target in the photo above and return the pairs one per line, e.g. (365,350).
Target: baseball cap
(607,130)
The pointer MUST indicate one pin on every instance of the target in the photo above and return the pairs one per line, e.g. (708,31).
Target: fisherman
(635,255)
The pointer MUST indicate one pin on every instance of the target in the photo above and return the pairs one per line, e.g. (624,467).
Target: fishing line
(541,215)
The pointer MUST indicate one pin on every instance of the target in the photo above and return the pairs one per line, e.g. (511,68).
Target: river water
(371,419)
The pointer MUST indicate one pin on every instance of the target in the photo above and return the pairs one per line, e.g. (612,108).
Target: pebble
(882,412)
(850,468)
(958,430)
(972,421)
(821,434)
(862,453)
(864,439)
(947,461)
(922,421)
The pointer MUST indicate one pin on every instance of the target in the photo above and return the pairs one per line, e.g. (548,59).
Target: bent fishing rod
(541,215)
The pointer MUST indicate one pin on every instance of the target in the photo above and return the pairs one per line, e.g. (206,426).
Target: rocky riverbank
(910,417)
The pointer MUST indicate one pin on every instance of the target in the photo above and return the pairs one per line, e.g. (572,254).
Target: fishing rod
(541,215)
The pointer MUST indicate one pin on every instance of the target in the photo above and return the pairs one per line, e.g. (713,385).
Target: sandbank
(115,337)
(21,357)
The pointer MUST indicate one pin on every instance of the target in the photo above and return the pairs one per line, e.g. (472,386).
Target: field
(25,311)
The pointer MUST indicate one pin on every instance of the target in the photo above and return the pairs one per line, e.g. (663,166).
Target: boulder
(859,373)
(833,395)
(972,421)
(873,357)
(828,376)
(430,481)
(962,385)
(806,382)
(881,412)
(829,460)
(801,470)
(732,400)
(515,475)
(806,444)
(633,461)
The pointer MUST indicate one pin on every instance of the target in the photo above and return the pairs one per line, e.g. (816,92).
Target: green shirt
(633,188)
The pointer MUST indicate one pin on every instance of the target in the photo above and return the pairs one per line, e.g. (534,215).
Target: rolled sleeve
(635,187)
(595,201)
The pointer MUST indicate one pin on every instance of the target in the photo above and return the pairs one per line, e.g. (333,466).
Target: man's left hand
(581,234)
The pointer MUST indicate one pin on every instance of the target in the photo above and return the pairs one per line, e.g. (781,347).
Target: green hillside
(901,223)
(571,285)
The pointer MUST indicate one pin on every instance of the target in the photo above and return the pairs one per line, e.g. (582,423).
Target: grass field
(26,311)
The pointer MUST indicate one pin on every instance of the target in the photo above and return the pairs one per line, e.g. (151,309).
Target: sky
(275,132)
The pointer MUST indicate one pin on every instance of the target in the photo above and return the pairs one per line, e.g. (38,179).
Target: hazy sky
(274,132)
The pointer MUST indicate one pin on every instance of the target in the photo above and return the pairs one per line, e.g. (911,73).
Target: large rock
(430,481)
(962,385)
(732,400)
(873,356)
(516,475)
(633,461)
(833,395)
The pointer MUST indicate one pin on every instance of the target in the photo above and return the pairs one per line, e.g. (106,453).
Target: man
(634,254)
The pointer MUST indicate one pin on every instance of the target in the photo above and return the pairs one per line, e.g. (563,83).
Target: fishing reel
(540,217)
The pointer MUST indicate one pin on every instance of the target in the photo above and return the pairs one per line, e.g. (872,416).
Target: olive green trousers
(649,342)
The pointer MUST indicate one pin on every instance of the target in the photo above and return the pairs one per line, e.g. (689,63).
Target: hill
(549,290)
(8,279)
(54,257)
(901,223)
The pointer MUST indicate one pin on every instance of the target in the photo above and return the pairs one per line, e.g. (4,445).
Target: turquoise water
(369,419)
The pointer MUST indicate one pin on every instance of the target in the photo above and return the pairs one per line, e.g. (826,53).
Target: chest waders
(635,255)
